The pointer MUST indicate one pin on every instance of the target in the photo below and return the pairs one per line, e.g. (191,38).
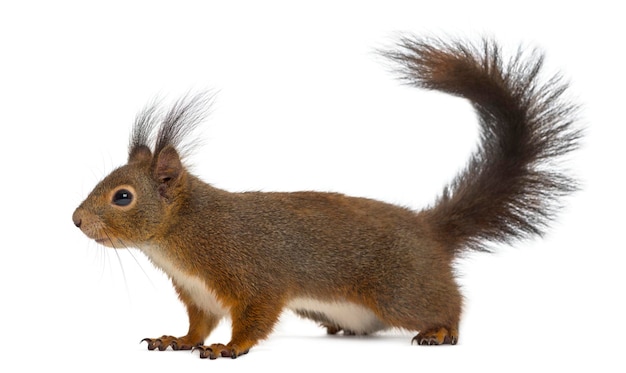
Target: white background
(303,103)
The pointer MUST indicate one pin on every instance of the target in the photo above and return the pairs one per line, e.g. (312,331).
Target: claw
(162,343)
(216,350)
(177,346)
(436,337)
(152,343)
(205,352)
(162,346)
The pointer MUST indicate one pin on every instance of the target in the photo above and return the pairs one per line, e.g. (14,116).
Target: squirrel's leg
(200,326)
(431,306)
(440,324)
(251,324)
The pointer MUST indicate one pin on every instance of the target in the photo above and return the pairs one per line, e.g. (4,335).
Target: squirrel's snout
(77,219)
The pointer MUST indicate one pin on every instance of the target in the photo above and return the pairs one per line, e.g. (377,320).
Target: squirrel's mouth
(109,242)
(104,241)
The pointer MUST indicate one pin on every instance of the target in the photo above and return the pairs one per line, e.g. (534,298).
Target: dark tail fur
(509,189)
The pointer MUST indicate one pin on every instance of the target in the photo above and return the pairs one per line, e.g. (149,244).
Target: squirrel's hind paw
(437,336)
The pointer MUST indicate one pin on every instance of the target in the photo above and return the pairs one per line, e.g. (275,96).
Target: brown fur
(257,252)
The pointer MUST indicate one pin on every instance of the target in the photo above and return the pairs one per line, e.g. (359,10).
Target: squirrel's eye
(122,197)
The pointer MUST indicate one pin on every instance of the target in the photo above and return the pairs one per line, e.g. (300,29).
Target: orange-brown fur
(253,254)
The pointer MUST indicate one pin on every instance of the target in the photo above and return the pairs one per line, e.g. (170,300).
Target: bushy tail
(510,188)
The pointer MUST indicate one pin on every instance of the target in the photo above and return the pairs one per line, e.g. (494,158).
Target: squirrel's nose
(77,219)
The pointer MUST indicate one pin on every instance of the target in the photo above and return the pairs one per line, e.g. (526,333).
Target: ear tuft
(140,153)
(168,166)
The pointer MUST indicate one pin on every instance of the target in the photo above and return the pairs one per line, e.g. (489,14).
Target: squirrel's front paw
(162,343)
(216,350)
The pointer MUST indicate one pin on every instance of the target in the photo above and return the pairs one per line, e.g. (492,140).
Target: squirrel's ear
(139,153)
(168,166)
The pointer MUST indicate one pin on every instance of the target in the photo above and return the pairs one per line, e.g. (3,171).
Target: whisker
(130,252)
(99,258)
(119,260)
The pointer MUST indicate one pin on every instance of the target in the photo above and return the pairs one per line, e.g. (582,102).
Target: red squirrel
(354,265)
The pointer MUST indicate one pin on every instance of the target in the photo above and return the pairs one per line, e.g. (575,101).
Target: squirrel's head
(128,207)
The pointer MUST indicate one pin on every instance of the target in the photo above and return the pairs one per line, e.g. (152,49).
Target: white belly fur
(347,315)
(203,297)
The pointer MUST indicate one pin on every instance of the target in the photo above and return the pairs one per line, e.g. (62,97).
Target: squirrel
(354,265)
